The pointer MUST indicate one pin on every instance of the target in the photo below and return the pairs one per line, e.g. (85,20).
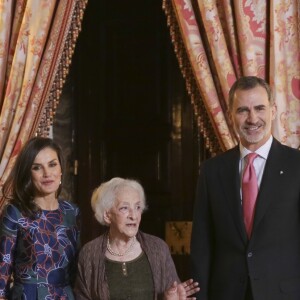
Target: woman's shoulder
(152,240)
(67,206)
(10,217)
(92,248)
(95,242)
(156,249)
(11,211)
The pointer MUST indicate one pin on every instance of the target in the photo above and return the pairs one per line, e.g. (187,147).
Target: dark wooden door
(132,114)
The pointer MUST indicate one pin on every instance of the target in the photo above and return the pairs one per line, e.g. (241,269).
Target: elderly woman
(125,263)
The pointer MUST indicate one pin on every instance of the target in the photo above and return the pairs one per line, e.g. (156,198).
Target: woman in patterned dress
(39,233)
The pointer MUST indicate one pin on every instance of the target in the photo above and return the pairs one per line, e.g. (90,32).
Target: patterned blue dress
(39,253)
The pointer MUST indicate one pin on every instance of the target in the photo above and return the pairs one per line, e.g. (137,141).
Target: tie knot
(251,157)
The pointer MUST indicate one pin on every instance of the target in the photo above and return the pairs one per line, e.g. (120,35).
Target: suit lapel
(230,182)
(270,181)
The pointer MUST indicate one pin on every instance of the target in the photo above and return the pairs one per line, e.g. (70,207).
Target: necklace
(112,252)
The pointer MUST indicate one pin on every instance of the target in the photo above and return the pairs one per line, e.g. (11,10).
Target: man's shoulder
(226,156)
(289,152)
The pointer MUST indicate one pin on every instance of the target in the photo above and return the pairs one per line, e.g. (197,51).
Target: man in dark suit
(230,259)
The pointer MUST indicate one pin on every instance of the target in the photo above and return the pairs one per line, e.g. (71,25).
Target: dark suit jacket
(222,257)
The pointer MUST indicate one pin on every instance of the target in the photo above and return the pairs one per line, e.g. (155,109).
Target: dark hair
(247,83)
(18,188)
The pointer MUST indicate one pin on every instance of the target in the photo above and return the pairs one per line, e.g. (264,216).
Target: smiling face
(46,173)
(125,216)
(252,115)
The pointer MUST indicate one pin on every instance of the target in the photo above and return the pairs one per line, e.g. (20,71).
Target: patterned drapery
(217,41)
(37,40)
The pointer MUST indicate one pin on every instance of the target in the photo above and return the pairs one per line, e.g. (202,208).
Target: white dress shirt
(259,162)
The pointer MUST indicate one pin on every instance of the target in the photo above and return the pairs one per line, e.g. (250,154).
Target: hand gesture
(182,291)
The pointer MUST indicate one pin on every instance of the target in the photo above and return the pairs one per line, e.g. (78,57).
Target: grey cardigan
(91,282)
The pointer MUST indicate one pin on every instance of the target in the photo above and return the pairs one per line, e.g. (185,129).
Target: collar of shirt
(260,162)
(263,151)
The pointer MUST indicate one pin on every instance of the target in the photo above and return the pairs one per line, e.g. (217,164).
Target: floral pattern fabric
(225,40)
(39,253)
(37,39)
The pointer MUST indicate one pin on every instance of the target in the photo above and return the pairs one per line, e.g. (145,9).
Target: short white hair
(104,197)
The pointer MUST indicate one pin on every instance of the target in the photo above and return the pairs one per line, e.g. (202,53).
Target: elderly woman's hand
(182,291)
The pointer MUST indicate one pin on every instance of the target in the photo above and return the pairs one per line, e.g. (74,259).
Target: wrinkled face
(46,173)
(252,116)
(125,216)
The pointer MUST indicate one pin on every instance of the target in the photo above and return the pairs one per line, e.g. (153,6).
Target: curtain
(37,40)
(217,41)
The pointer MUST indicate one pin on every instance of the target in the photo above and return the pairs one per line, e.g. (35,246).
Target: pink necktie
(249,193)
